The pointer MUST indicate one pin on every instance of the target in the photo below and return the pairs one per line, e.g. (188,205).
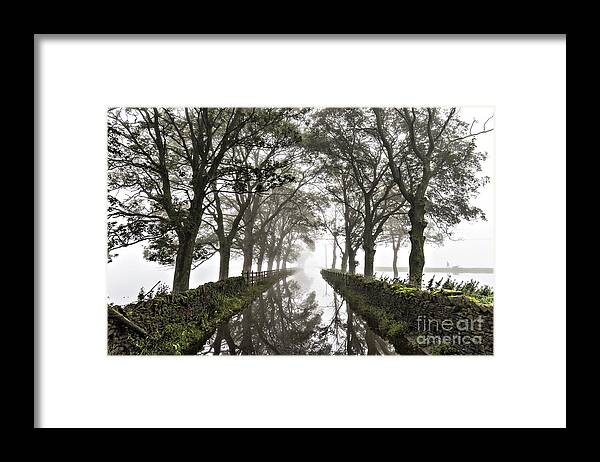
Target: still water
(300,315)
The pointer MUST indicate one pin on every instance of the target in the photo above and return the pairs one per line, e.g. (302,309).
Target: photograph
(300,230)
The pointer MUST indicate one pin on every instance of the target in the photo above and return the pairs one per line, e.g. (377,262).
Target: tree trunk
(351,261)
(334,259)
(270,261)
(395,260)
(369,261)
(348,254)
(183,262)
(369,249)
(278,258)
(285,258)
(344,261)
(416,260)
(248,249)
(261,257)
(224,258)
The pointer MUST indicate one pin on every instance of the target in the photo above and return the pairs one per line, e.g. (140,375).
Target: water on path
(300,315)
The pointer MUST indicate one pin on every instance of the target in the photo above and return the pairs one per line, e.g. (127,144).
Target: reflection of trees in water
(224,334)
(361,339)
(351,336)
(282,320)
(340,333)
(286,320)
(333,333)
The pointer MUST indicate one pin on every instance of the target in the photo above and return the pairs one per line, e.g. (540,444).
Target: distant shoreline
(450,269)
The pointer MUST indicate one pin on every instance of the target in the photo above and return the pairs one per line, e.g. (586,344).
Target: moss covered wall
(436,322)
(181,323)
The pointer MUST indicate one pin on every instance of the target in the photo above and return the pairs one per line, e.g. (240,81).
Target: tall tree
(331,223)
(433,159)
(163,165)
(353,223)
(338,186)
(266,207)
(396,232)
(241,182)
(301,236)
(344,133)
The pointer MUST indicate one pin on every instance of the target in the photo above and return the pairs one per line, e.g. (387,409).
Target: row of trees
(392,171)
(195,181)
(264,183)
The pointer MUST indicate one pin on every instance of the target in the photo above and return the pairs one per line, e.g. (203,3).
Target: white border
(522,385)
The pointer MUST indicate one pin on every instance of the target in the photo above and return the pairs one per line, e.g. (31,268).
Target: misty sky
(471,245)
